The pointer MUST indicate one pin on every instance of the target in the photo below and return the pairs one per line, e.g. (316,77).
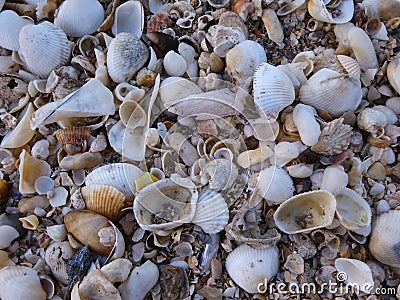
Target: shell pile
(207,149)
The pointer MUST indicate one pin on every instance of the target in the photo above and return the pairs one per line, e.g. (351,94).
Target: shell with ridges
(10,26)
(55,256)
(74,135)
(224,38)
(351,66)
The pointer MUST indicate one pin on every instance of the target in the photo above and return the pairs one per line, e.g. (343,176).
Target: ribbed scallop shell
(19,282)
(273,89)
(331,91)
(39,57)
(105,200)
(350,65)
(384,243)
(55,256)
(122,176)
(212,212)
(125,57)
(248,267)
(74,135)
(10,26)
(79,17)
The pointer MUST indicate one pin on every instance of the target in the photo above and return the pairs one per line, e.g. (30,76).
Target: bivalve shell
(10,26)
(55,257)
(129,17)
(393,74)
(357,272)
(174,64)
(323,11)
(363,48)
(306,123)
(7,235)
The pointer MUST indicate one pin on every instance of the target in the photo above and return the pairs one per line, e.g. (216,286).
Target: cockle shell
(220,174)
(7,235)
(393,74)
(73,139)
(363,48)
(273,26)
(31,168)
(357,273)
(231,19)
(34,41)
(129,17)
(224,38)
(249,267)
(307,125)
(296,73)
(350,65)
(10,26)
(20,283)
(306,212)
(79,17)
(125,57)
(373,121)
(321,11)
(331,91)
(334,178)
(55,256)
(273,90)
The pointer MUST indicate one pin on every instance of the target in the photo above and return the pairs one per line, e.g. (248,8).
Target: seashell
(117,270)
(306,212)
(218,3)
(357,273)
(47,285)
(21,134)
(190,55)
(11,24)
(7,235)
(78,18)
(223,38)
(336,93)
(306,57)
(248,267)
(273,90)
(243,8)
(30,222)
(212,213)
(125,91)
(295,71)
(314,25)
(174,64)
(73,139)
(18,282)
(300,170)
(372,26)
(323,11)
(56,255)
(273,26)
(27,205)
(286,152)
(175,205)
(290,7)
(57,233)
(242,60)
(391,117)
(2,4)
(307,125)
(104,200)
(5,260)
(220,174)
(275,185)
(125,57)
(385,238)
(13,88)
(217,65)
(95,285)
(31,168)
(35,52)
(5,189)
(363,48)
(187,152)
(393,23)
(393,71)
(334,178)
(251,157)
(173,89)
(373,121)
(231,19)
(388,9)
(350,65)
(334,138)
(132,114)
(129,17)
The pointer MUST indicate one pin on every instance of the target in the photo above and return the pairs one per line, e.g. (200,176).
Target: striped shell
(79,17)
(34,41)
(10,26)
(55,257)
(74,135)
(125,57)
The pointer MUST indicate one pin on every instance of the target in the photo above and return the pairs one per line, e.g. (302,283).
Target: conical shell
(10,26)
(212,212)
(129,17)
(20,283)
(125,57)
(55,256)
(321,11)
(79,17)
(122,176)
(273,90)
(34,41)
(393,74)
(249,267)
(331,91)
(74,135)
(385,238)
(357,273)
(105,200)
(306,212)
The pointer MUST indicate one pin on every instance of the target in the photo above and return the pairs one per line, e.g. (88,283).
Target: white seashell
(300,170)
(122,176)
(220,174)
(286,152)
(43,184)
(295,71)
(275,185)
(334,178)
(129,17)
(10,26)
(140,281)
(248,267)
(187,152)
(242,60)
(393,74)
(306,212)
(55,257)
(174,64)
(381,34)
(125,57)
(273,26)
(173,89)
(41,149)
(125,91)
(59,197)
(363,48)
(20,282)
(373,121)
(249,158)
(175,205)
(79,17)
(223,38)
(57,233)
(306,57)
(352,210)
(273,90)
(357,272)
(391,117)
(212,213)
(320,10)
(331,91)
(30,222)
(118,270)
(351,66)
(7,235)
(191,57)
(34,49)
(31,168)
(132,114)
(218,3)
(307,126)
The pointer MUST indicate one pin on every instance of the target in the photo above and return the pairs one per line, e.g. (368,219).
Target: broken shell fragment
(56,255)
(373,121)
(7,235)
(174,64)
(129,17)
(220,174)
(73,139)
(251,157)
(393,74)
(363,48)
(307,125)
(273,26)
(338,14)
(10,26)
(334,177)
(30,222)
(95,285)
(224,38)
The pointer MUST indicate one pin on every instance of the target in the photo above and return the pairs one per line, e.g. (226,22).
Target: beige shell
(95,285)
(5,260)
(323,11)
(224,38)
(55,256)
(10,26)
(306,212)
(73,139)
(306,123)
(187,152)
(393,74)
(328,90)
(290,7)
(34,49)
(20,283)
(248,267)
(125,57)
(30,222)
(357,272)
(273,90)
(105,200)
(363,48)
(7,235)
(300,170)
(273,26)
(252,157)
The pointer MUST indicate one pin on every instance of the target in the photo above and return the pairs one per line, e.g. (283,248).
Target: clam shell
(273,90)
(74,135)
(79,17)
(300,170)
(286,152)
(319,10)
(393,74)
(55,257)
(10,26)
(7,235)
(363,48)
(331,91)
(273,26)
(125,57)
(334,178)
(357,272)
(306,212)
(275,185)
(248,267)
(212,212)
(174,64)
(129,17)
(34,41)
(19,283)
(105,200)
(385,238)
(307,125)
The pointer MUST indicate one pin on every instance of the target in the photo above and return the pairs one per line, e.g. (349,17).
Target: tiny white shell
(10,26)
(307,125)
(357,273)
(174,64)
(7,235)
(129,17)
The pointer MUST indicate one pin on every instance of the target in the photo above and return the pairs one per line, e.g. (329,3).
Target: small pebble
(216,269)
(383,206)
(211,293)
(376,189)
